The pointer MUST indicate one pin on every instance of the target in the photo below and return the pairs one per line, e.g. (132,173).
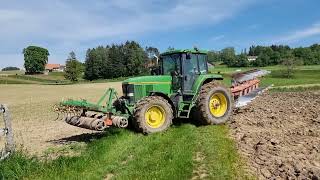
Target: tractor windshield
(169,63)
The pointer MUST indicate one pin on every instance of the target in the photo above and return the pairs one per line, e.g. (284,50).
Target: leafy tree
(289,65)
(74,68)
(228,56)
(106,70)
(115,61)
(275,58)
(10,68)
(35,59)
(92,65)
(214,56)
(241,61)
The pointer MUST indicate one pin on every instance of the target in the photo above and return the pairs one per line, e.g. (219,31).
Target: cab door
(190,68)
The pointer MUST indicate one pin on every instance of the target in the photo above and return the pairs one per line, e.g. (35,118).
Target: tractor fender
(166,98)
(204,80)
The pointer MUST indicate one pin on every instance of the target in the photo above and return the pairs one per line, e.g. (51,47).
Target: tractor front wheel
(214,104)
(152,114)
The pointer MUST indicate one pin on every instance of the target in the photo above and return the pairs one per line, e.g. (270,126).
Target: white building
(252,58)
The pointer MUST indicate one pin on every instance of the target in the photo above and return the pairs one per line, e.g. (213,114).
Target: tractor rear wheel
(152,114)
(214,104)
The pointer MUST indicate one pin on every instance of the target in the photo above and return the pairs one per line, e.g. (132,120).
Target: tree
(35,59)
(74,68)
(228,56)
(289,65)
(241,61)
(214,56)
(116,60)
(289,62)
(136,58)
(92,65)
(10,68)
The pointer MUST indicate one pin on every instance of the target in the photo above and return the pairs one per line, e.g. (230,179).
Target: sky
(76,25)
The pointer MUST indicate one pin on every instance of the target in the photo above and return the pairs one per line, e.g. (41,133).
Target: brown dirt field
(34,124)
(279,135)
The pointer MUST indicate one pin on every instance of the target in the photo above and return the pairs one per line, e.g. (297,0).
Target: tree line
(116,60)
(10,68)
(267,56)
(130,59)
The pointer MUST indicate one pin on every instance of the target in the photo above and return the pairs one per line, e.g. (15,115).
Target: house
(54,68)
(252,58)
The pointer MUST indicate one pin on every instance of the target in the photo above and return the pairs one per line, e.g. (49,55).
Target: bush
(10,68)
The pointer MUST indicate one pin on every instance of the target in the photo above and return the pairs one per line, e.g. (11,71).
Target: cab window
(202,63)
(169,63)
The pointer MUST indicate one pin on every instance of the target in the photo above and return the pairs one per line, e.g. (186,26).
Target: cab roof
(194,51)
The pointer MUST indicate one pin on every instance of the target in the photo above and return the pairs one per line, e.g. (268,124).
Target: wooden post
(7,132)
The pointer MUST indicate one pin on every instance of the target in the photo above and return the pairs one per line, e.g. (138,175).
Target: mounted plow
(245,86)
(7,133)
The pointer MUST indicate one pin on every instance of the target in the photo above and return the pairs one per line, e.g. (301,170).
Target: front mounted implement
(95,116)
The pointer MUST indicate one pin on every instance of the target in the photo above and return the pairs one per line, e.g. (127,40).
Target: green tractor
(180,87)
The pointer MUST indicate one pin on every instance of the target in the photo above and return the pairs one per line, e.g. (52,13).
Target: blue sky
(76,25)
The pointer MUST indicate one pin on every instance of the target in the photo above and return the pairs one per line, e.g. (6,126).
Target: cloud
(73,24)
(216,38)
(73,20)
(311,31)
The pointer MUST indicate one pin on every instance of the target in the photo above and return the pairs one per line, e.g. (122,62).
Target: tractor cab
(185,66)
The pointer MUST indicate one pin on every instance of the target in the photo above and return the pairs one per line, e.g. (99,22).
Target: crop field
(255,143)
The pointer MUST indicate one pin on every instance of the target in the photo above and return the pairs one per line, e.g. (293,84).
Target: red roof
(52,66)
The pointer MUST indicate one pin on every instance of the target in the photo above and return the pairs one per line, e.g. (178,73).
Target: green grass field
(18,77)
(183,152)
(53,78)
(302,75)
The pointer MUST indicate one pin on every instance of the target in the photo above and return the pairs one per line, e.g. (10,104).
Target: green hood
(165,79)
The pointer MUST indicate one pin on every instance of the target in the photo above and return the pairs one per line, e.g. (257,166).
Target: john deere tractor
(180,87)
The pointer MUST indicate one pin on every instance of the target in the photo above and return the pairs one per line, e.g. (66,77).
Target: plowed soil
(279,135)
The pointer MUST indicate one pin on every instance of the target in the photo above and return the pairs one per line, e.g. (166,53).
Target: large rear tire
(152,114)
(214,104)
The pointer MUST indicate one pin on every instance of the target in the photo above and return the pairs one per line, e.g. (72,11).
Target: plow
(180,87)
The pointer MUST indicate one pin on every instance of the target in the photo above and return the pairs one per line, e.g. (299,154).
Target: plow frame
(107,97)
(7,132)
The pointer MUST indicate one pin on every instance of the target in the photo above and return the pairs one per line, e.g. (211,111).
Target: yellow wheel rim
(155,116)
(218,104)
